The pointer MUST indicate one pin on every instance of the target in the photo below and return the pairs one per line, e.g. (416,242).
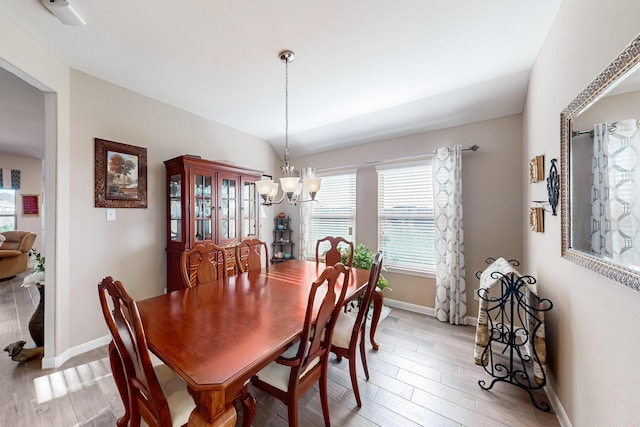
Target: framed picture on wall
(536,169)
(536,220)
(120,175)
(30,205)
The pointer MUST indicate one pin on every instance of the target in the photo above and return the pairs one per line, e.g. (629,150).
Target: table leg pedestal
(211,409)
(378,301)
(248,409)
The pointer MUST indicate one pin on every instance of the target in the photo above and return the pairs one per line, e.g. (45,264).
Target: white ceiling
(364,70)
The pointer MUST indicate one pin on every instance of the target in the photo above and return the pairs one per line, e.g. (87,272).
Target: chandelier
(290,182)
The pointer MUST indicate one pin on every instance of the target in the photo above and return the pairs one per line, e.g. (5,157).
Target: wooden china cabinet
(207,202)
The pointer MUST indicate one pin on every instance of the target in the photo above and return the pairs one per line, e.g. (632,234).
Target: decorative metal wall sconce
(536,169)
(536,220)
(553,187)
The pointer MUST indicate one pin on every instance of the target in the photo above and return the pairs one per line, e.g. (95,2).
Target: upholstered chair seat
(175,391)
(343,329)
(278,375)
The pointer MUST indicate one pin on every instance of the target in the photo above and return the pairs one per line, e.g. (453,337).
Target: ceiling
(364,70)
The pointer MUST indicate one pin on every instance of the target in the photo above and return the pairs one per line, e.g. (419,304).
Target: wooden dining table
(217,336)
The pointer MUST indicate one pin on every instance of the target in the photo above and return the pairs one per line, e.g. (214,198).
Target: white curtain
(451,300)
(305,214)
(615,215)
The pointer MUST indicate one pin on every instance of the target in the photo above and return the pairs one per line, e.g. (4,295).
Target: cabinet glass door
(228,208)
(175,214)
(249,210)
(202,207)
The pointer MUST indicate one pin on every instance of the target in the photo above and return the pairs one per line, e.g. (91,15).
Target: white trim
(410,307)
(470,321)
(401,270)
(56,362)
(321,173)
(563,419)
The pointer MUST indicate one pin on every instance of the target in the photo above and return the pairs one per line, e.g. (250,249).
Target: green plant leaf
(363,258)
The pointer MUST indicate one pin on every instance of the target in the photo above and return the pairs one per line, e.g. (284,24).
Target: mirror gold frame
(613,74)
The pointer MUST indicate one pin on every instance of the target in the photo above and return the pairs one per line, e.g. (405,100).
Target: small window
(8,217)
(406,231)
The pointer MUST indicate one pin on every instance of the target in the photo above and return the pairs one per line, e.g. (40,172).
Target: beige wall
(592,345)
(492,216)
(131,248)
(30,183)
(39,67)
(81,247)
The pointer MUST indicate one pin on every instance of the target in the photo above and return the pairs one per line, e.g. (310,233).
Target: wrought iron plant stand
(514,335)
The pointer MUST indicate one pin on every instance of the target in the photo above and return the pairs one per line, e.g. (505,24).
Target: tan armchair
(14,252)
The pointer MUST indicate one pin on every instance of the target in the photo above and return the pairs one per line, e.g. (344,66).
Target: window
(335,212)
(8,218)
(406,232)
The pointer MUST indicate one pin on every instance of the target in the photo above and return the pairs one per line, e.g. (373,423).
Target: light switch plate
(111,214)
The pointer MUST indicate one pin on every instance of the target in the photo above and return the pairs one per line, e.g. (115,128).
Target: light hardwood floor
(423,375)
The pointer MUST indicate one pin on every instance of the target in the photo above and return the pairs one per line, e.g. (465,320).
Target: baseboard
(410,307)
(563,419)
(57,361)
(473,321)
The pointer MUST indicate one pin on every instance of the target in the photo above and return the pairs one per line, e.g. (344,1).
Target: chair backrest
(123,319)
(202,264)
(315,340)
(333,254)
(249,255)
(374,276)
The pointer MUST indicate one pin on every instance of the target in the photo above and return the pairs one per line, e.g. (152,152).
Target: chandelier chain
(286,113)
(291,182)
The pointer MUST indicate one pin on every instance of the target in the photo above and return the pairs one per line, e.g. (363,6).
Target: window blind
(405,217)
(335,212)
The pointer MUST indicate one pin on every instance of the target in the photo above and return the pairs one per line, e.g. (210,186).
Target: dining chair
(344,342)
(202,264)
(249,255)
(305,362)
(154,392)
(333,255)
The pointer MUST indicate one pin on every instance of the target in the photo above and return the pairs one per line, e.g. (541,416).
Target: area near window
(8,217)
(406,231)
(335,212)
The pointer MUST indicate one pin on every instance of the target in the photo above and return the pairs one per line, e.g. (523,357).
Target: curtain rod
(474,147)
(611,128)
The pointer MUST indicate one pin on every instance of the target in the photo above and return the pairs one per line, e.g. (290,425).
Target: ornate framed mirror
(600,172)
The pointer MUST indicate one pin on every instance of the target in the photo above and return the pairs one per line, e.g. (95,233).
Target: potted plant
(37,272)
(363,258)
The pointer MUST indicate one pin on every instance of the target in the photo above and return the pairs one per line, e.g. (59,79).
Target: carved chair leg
(121,383)
(292,413)
(363,353)
(324,398)
(378,301)
(354,378)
